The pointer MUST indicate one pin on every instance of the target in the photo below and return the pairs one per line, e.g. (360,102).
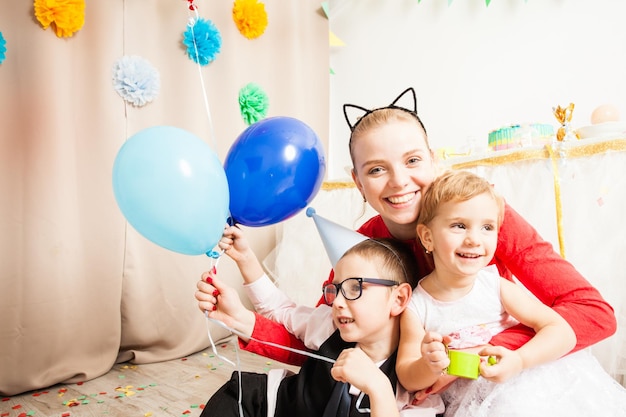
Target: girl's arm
(524,254)
(421,356)
(553,335)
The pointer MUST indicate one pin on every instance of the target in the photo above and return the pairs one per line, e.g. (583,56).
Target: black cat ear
(356,112)
(409,100)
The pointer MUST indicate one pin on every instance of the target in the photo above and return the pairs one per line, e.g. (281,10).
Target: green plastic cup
(463,364)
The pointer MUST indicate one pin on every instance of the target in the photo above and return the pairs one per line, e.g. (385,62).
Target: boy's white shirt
(314,325)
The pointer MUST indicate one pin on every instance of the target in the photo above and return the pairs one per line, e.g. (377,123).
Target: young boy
(358,326)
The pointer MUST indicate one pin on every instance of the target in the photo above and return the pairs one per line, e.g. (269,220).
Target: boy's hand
(236,246)
(234,243)
(356,368)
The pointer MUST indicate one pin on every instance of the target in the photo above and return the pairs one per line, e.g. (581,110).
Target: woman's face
(393,167)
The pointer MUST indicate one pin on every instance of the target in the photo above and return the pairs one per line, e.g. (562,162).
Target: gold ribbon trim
(577,150)
(337,185)
(557,197)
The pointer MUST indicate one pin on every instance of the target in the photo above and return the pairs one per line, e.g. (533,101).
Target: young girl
(358,325)
(392,167)
(462,305)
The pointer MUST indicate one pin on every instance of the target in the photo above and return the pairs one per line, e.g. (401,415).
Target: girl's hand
(434,352)
(501,363)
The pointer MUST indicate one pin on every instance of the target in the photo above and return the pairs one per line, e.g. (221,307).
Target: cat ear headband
(361,112)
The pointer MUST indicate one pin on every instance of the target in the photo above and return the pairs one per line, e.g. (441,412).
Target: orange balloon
(605,113)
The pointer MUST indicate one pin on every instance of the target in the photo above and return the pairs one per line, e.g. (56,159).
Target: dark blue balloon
(274,169)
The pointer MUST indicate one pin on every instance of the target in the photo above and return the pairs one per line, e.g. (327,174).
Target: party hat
(336,238)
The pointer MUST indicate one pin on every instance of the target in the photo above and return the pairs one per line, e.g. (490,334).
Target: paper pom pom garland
(203,41)
(253,103)
(3,48)
(250,18)
(65,16)
(136,80)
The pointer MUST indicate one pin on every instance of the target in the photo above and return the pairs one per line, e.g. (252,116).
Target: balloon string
(204,94)
(276,345)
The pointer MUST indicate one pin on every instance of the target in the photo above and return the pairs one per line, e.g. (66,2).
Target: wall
(476,68)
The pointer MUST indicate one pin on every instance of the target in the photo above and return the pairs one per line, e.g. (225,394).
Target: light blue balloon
(172,188)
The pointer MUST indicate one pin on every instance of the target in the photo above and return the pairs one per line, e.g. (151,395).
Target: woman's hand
(222,303)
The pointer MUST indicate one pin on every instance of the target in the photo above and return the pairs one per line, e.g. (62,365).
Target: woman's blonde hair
(381,117)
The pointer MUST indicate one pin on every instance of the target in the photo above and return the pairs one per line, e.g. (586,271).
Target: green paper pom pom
(253,103)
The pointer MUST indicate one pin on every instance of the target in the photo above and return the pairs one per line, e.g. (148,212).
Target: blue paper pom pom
(136,80)
(203,41)
(3,48)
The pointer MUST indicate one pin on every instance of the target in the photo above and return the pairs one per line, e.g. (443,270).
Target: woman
(393,166)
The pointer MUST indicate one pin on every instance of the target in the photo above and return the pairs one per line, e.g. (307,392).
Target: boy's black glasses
(351,288)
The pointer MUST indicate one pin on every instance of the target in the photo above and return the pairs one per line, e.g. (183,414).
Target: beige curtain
(79,288)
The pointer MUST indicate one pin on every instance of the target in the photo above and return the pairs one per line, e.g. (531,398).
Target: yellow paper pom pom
(65,16)
(250,18)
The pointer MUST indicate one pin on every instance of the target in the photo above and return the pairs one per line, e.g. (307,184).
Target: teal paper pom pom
(203,41)
(253,103)
(3,48)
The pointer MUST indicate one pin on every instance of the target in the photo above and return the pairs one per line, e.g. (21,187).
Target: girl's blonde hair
(456,185)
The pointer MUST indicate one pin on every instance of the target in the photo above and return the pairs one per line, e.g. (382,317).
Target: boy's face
(366,319)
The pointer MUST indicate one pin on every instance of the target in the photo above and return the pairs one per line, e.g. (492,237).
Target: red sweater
(520,252)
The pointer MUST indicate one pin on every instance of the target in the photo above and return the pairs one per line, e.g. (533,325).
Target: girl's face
(365,320)
(462,236)
(393,166)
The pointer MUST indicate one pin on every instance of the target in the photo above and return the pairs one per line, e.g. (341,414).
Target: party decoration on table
(605,113)
(564,117)
(65,16)
(203,41)
(172,188)
(250,17)
(3,48)
(253,103)
(274,169)
(337,239)
(136,80)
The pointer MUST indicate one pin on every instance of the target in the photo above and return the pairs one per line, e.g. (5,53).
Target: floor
(177,388)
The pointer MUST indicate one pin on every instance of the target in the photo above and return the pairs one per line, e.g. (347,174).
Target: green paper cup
(463,364)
